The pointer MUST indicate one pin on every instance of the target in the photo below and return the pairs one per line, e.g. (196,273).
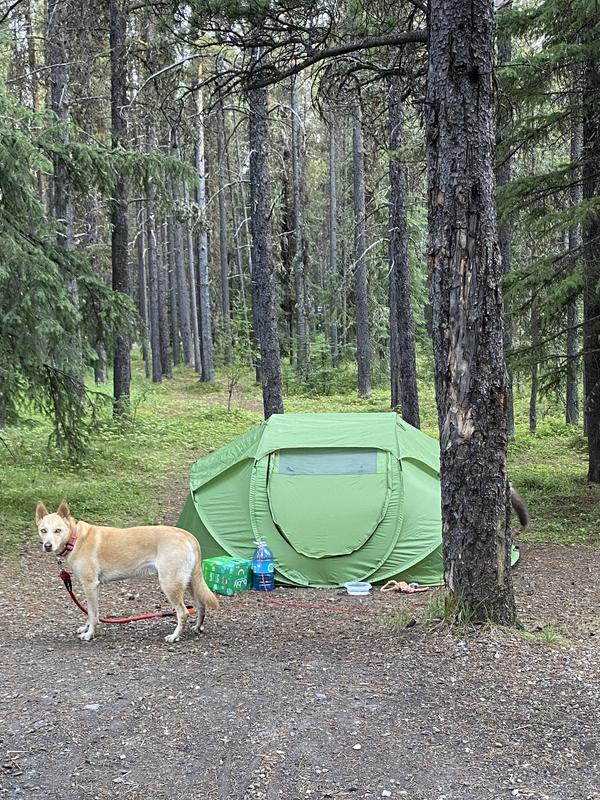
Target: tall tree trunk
(206,340)
(119,238)
(286,255)
(239,253)
(183,291)
(301,344)
(333,222)
(591,254)
(363,354)
(169,247)
(503,178)
(143,308)
(344,298)
(29,13)
(535,352)
(576,194)
(248,236)
(162,260)
(152,250)
(56,55)
(466,276)
(223,248)
(263,291)
(402,328)
(91,240)
(193,289)
(62,205)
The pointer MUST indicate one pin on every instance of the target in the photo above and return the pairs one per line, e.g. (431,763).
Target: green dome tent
(338,497)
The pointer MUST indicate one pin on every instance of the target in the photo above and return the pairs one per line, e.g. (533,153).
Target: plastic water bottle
(263,568)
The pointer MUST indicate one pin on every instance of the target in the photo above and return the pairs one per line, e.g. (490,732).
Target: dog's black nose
(47,546)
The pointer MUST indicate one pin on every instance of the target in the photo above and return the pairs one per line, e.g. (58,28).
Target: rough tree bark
(333,223)
(301,343)
(239,249)
(143,308)
(466,275)
(223,247)
(162,261)
(535,351)
(591,255)
(193,288)
(62,205)
(402,329)
(169,247)
(363,354)
(181,282)
(91,238)
(263,291)
(204,310)
(151,250)
(119,238)
(576,195)
(56,57)
(503,177)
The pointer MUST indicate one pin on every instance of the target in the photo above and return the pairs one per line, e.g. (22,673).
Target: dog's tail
(202,594)
(520,507)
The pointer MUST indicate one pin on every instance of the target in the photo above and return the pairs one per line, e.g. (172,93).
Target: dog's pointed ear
(63,510)
(40,511)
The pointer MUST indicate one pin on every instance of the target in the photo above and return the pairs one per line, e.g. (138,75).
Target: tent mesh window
(327,462)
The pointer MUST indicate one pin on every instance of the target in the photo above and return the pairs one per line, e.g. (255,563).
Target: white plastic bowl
(357,587)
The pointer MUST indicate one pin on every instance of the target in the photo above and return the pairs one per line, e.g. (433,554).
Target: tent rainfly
(338,497)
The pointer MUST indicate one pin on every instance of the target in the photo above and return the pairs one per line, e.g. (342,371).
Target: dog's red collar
(71,543)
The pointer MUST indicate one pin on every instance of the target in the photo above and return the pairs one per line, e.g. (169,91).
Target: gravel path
(282,701)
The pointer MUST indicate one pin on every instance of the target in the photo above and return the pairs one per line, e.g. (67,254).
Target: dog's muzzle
(48,547)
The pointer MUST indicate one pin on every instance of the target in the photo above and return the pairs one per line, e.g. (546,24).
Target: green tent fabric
(338,497)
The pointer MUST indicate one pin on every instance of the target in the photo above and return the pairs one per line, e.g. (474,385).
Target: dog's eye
(43,530)
(57,530)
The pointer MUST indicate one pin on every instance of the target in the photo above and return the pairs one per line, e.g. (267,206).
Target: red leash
(66,579)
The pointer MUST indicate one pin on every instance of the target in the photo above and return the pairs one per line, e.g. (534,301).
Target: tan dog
(100,555)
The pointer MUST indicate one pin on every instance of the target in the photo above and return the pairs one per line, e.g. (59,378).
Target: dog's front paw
(86,636)
(171,638)
(83,628)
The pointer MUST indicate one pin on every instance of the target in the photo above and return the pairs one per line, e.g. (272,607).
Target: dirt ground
(283,701)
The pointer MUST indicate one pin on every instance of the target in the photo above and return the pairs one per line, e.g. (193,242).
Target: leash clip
(66,579)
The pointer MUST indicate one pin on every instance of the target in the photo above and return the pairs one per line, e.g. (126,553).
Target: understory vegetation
(136,471)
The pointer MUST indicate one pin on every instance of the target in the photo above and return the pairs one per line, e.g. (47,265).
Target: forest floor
(281,701)
(358,698)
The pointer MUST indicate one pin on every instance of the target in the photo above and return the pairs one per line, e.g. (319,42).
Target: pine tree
(466,274)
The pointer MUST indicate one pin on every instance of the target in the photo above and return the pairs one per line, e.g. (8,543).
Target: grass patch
(548,635)
(129,465)
(132,466)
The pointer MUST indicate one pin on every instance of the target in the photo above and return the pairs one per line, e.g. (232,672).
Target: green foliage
(542,105)
(137,470)
(40,318)
(546,634)
(133,471)
(323,379)
(36,313)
